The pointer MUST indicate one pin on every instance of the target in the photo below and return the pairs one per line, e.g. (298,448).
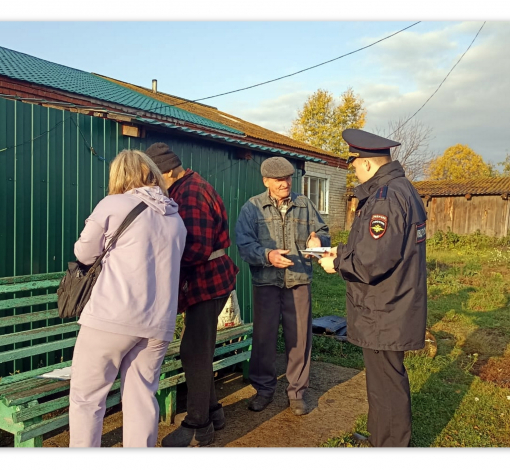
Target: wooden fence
(463,215)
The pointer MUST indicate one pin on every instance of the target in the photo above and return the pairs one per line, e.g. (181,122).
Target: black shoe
(217,416)
(259,402)
(298,406)
(360,440)
(190,436)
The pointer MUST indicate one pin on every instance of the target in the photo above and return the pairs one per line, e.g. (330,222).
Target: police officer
(384,265)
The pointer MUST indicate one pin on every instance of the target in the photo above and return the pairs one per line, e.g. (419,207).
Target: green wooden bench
(31,406)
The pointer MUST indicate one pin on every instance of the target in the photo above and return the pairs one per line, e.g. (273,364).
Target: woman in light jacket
(130,318)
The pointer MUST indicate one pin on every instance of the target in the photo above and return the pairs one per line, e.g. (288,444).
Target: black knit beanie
(163,157)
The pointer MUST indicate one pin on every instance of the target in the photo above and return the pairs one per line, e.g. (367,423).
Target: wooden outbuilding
(462,206)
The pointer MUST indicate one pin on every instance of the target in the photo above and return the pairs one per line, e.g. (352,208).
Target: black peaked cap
(364,144)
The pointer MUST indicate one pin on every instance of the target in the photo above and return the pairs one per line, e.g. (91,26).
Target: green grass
(469,314)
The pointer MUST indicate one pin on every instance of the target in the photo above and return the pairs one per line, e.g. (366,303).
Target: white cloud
(276,114)
(472,105)
(395,79)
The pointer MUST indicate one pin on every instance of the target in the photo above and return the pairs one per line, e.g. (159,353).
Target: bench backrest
(32,336)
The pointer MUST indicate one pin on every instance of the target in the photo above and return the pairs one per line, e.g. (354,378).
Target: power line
(282,77)
(476,35)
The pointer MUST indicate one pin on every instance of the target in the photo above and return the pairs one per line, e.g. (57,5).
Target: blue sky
(195,59)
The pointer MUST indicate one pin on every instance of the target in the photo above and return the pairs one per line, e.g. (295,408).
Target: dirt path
(337,396)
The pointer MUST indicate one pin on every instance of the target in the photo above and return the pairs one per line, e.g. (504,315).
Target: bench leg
(167,400)
(35,442)
(16,428)
(246,365)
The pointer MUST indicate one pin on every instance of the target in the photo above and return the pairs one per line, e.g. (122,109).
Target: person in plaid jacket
(207,278)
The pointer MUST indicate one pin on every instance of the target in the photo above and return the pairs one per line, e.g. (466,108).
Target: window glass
(315,189)
(322,195)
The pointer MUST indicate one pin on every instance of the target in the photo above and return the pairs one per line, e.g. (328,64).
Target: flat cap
(365,144)
(276,167)
(163,157)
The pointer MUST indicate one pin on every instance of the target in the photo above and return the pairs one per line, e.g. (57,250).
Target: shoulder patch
(378,225)
(421,233)
(381,193)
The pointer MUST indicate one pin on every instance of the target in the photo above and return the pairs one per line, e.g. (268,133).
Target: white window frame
(321,176)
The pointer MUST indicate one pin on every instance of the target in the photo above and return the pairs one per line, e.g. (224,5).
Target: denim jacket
(261,228)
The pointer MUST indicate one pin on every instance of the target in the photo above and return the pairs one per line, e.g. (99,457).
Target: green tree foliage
(506,167)
(321,121)
(458,162)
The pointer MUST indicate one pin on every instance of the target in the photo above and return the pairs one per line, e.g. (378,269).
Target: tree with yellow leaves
(321,121)
(458,162)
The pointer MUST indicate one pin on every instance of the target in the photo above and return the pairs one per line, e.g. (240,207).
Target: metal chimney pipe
(154,86)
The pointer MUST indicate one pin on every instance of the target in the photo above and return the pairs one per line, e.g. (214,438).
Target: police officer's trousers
(389,398)
(293,305)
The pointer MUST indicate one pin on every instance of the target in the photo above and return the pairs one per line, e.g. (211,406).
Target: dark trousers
(294,307)
(197,352)
(389,398)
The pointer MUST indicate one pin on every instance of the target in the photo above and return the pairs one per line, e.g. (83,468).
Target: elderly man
(207,278)
(271,230)
(384,265)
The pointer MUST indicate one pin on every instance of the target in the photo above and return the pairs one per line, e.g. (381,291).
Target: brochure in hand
(317,252)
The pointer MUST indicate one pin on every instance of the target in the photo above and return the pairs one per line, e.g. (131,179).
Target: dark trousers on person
(197,352)
(294,307)
(389,398)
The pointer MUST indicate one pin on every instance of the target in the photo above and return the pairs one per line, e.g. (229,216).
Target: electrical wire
(87,143)
(476,35)
(228,167)
(282,77)
(51,130)
(35,138)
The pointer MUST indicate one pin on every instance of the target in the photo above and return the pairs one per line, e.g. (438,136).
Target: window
(316,189)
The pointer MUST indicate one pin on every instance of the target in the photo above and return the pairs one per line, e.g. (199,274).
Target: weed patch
(497,370)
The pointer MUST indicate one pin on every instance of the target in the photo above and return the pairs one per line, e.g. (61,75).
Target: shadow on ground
(336,395)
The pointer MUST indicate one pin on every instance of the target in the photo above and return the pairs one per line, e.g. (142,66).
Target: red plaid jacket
(205,218)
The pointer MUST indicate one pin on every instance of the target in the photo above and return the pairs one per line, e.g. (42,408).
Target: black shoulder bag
(76,285)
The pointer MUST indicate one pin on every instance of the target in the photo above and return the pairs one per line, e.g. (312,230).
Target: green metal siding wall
(51,181)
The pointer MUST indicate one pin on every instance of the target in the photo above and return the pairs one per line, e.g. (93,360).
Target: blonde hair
(133,169)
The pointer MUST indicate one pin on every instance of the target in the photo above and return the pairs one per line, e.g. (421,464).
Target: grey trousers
(389,398)
(293,305)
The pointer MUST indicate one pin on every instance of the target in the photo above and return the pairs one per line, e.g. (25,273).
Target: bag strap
(122,228)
